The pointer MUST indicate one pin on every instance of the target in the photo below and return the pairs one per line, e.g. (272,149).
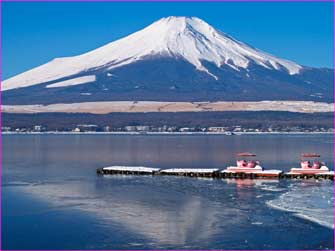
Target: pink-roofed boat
(250,166)
(310,167)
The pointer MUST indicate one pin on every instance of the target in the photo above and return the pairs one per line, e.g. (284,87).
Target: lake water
(53,199)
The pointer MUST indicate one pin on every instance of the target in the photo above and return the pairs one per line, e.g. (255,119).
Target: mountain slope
(173,59)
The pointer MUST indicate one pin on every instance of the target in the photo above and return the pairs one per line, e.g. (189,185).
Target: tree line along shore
(215,122)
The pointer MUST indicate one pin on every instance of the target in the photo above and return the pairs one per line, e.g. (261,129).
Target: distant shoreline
(164,133)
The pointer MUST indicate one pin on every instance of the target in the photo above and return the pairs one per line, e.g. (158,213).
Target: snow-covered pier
(192,172)
(326,175)
(210,172)
(129,170)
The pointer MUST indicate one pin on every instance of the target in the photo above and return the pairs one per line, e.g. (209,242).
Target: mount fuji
(173,59)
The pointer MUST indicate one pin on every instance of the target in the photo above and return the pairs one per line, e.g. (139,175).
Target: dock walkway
(210,172)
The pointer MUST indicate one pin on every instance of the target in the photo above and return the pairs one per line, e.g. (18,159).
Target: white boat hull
(257,170)
(322,170)
(237,169)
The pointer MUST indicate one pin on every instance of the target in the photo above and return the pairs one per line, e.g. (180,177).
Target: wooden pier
(210,173)
(128,170)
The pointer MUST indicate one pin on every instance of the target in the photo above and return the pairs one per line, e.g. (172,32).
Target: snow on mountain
(189,38)
(73,81)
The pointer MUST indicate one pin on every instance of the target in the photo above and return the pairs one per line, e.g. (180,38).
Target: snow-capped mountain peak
(189,38)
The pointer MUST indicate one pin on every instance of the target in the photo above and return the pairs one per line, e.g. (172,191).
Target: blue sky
(35,33)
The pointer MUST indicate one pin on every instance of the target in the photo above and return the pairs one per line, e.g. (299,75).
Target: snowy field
(152,106)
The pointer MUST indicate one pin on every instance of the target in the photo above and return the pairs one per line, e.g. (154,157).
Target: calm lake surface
(53,199)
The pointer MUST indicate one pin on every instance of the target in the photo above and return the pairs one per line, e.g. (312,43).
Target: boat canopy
(310,155)
(246,154)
